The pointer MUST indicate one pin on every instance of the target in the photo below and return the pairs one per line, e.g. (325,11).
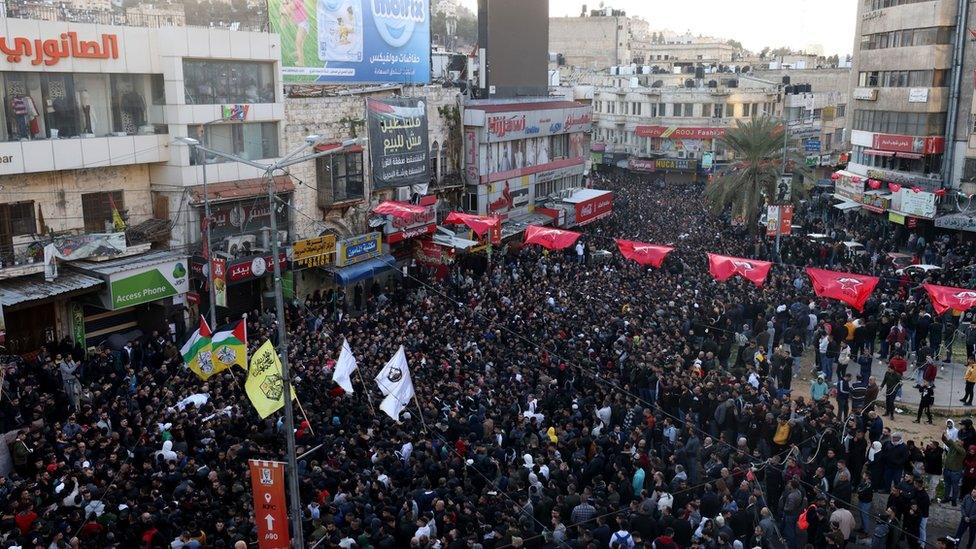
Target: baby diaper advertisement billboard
(353,41)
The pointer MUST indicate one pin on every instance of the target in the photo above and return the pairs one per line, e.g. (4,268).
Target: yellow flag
(264,385)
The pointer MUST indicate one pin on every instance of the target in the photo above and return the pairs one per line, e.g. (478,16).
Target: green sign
(78,324)
(288,285)
(148,284)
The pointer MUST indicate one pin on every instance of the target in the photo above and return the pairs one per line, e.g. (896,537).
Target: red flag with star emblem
(551,239)
(946,297)
(853,289)
(723,267)
(645,254)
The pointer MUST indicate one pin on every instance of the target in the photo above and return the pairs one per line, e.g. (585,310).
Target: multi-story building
(686,53)
(520,153)
(670,124)
(601,39)
(89,173)
(335,194)
(815,103)
(902,103)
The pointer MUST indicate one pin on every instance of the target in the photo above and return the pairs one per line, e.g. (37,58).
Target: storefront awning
(366,269)
(875,152)
(26,289)
(909,155)
(242,188)
(846,205)
(513,227)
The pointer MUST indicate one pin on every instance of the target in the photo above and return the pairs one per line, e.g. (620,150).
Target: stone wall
(339,118)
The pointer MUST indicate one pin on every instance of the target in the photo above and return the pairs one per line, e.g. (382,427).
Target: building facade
(670,124)
(596,41)
(518,154)
(86,139)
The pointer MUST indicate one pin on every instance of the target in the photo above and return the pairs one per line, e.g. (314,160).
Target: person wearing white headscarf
(952,433)
(167,452)
(873,450)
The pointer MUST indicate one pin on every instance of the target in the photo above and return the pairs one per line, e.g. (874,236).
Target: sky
(755,23)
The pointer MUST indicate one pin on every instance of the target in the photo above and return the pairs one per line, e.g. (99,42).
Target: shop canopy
(480,224)
(399,210)
(549,238)
(31,290)
(363,270)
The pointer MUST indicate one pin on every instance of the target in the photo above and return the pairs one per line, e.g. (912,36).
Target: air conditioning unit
(234,245)
(248,243)
(403,194)
(681,154)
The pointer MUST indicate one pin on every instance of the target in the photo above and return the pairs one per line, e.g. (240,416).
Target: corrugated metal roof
(583,195)
(33,288)
(123,264)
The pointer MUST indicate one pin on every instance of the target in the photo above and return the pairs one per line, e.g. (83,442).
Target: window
(871,5)
(905,123)
(925,36)
(97,209)
(755,109)
(560,146)
(969,170)
(689,109)
(211,82)
(339,177)
(900,79)
(706,110)
(719,110)
(841,111)
(249,140)
(17,218)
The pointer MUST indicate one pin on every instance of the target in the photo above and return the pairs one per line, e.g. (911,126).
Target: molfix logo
(581,120)
(395,20)
(502,125)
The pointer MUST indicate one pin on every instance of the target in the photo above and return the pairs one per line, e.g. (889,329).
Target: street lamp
(202,158)
(290,159)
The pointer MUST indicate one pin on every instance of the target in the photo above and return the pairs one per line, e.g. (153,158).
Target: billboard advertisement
(538,123)
(353,41)
(398,148)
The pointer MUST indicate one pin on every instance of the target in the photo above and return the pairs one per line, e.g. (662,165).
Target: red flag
(478,223)
(946,297)
(645,254)
(724,267)
(400,210)
(853,289)
(551,239)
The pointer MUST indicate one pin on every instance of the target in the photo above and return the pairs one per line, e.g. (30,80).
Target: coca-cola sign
(398,229)
(594,208)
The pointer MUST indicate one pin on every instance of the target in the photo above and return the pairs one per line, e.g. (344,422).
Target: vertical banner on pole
(270,510)
(3,328)
(220,281)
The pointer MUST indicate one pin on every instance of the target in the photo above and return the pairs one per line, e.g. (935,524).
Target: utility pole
(202,158)
(290,159)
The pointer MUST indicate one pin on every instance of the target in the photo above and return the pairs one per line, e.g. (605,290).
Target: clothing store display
(84,99)
(134,105)
(25,114)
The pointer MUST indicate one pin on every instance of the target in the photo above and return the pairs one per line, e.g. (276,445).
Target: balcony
(43,155)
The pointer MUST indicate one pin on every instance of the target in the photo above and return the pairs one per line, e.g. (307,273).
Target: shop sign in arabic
(313,252)
(51,51)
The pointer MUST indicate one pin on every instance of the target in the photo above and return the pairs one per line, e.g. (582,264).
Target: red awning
(876,152)
(400,210)
(912,156)
(478,223)
(329,146)
(242,188)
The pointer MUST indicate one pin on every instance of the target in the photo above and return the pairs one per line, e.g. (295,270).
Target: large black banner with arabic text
(398,149)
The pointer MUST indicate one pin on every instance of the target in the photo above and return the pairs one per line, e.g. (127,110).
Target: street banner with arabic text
(398,143)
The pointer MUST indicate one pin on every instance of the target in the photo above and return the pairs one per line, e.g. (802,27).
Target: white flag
(394,381)
(344,368)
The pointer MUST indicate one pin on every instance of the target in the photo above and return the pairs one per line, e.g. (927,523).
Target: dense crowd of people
(563,400)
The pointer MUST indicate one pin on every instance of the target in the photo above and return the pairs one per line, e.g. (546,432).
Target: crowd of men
(563,400)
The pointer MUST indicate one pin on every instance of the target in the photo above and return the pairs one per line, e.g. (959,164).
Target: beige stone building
(670,124)
(596,42)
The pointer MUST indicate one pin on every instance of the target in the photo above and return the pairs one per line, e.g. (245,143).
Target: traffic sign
(270,510)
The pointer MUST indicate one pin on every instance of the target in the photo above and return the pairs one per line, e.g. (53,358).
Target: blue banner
(811,145)
(353,41)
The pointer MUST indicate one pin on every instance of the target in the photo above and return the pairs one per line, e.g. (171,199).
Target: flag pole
(300,407)
(365,389)
(420,411)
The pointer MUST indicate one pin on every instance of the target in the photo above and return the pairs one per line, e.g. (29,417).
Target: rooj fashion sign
(353,41)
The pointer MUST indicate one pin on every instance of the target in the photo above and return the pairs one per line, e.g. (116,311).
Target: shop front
(140,294)
(667,170)
(399,231)
(361,264)
(250,283)
(36,312)
(240,233)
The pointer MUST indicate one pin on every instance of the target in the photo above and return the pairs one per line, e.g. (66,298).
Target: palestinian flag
(197,352)
(229,346)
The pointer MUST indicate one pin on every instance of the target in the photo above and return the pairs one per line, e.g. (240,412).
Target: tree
(757,147)
(735,44)
(764,52)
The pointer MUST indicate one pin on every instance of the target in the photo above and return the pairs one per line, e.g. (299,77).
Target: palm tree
(757,146)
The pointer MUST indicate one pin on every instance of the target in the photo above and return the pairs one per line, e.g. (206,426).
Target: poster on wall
(353,41)
(398,149)
(220,281)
